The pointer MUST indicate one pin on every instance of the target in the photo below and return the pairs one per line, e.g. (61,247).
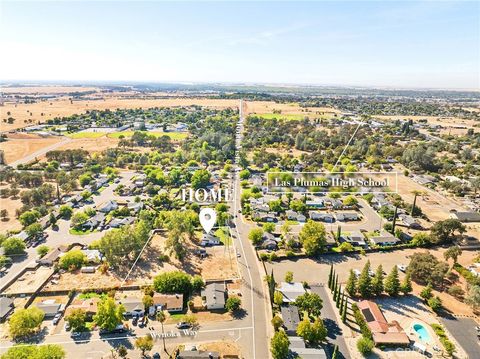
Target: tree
(313,237)
(277,322)
(244,174)
(473,297)
(350,201)
(161,317)
(269,227)
(42,250)
(122,351)
(392,283)
(312,333)
(45,351)
(365,282)
(406,286)
(435,303)
(28,218)
(278,298)
(200,179)
(173,282)
(330,276)
(426,292)
(144,343)
(77,319)
(289,277)
(351,286)
(72,260)
(425,268)
(279,345)
(310,303)
(365,346)
(147,301)
(256,236)
(109,315)
(377,282)
(346,247)
(233,304)
(197,283)
(34,229)
(4,214)
(442,231)
(415,194)
(453,252)
(65,211)
(24,322)
(13,245)
(78,219)
(421,239)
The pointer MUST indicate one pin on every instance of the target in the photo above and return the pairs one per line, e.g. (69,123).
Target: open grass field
(19,146)
(176,136)
(86,135)
(269,107)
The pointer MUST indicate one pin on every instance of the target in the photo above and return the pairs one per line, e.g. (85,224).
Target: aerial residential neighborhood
(255,180)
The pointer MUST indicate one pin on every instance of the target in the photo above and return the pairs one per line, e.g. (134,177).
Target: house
(94,221)
(209,240)
(465,216)
(92,255)
(133,306)
(384,239)
(135,207)
(347,216)
(291,319)
(324,217)
(315,203)
(355,238)
(108,206)
(292,215)
(119,222)
(213,296)
(298,349)
(291,291)
(270,245)
(264,217)
(195,354)
(6,308)
(383,332)
(50,308)
(169,302)
(386,167)
(51,257)
(409,221)
(89,305)
(424,179)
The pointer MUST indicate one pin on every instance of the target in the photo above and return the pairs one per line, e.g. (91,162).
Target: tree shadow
(240,313)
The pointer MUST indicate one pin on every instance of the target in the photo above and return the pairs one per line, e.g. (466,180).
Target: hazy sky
(394,44)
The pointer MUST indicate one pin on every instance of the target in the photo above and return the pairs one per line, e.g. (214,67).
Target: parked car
(67,326)
(402,267)
(183,325)
(56,318)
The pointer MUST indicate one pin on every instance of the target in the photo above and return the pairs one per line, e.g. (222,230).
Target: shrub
(362,323)
(365,346)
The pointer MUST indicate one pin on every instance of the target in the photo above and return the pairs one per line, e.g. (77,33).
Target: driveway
(464,332)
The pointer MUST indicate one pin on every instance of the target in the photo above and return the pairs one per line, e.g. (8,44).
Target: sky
(434,44)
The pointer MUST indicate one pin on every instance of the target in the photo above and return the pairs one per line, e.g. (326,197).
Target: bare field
(11,205)
(91,144)
(262,107)
(435,120)
(64,107)
(19,146)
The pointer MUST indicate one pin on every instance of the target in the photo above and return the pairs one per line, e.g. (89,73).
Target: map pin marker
(208,218)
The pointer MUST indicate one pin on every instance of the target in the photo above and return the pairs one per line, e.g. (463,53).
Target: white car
(357,272)
(402,267)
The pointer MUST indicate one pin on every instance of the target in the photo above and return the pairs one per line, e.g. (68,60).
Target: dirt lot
(10,205)
(435,120)
(19,146)
(30,281)
(64,107)
(286,108)
(225,347)
(91,144)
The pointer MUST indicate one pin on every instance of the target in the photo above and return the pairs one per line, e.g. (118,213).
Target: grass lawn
(224,235)
(78,232)
(86,134)
(173,135)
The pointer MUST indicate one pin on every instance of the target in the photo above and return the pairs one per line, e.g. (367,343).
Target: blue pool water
(422,332)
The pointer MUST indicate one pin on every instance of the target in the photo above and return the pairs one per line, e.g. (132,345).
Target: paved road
(255,299)
(464,332)
(40,152)
(335,333)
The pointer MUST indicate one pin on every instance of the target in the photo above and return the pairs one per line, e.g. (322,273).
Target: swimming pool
(422,332)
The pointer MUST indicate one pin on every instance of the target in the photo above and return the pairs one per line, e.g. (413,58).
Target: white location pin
(208,218)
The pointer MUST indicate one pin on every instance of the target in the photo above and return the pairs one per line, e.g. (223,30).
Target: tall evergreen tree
(365,282)
(330,276)
(344,310)
(377,282)
(392,283)
(351,287)
(339,297)
(406,286)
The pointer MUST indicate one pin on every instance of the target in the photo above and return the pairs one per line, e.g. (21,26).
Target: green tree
(42,250)
(365,282)
(45,351)
(442,231)
(351,286)
(34,229)
(313,237)
(312,333)
(77,319)
(173,282)
(377,282)
(350,201)
(406,286)
(365,346)
(13,245)
(200,179)
(144,343)
(122,351)
(197,283)
(279,345)
(310,303)
(453,252)
(65,211)
(147,301)
(244,174)
(392,282)
(73,259)
(24,322)
(269,227)
(233,304)
(109,315)
(277,322)
(426,292)
(278,298)
(473,297)
(289,277)
(256,236)
(78,219)
(435,303)
(29,217)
